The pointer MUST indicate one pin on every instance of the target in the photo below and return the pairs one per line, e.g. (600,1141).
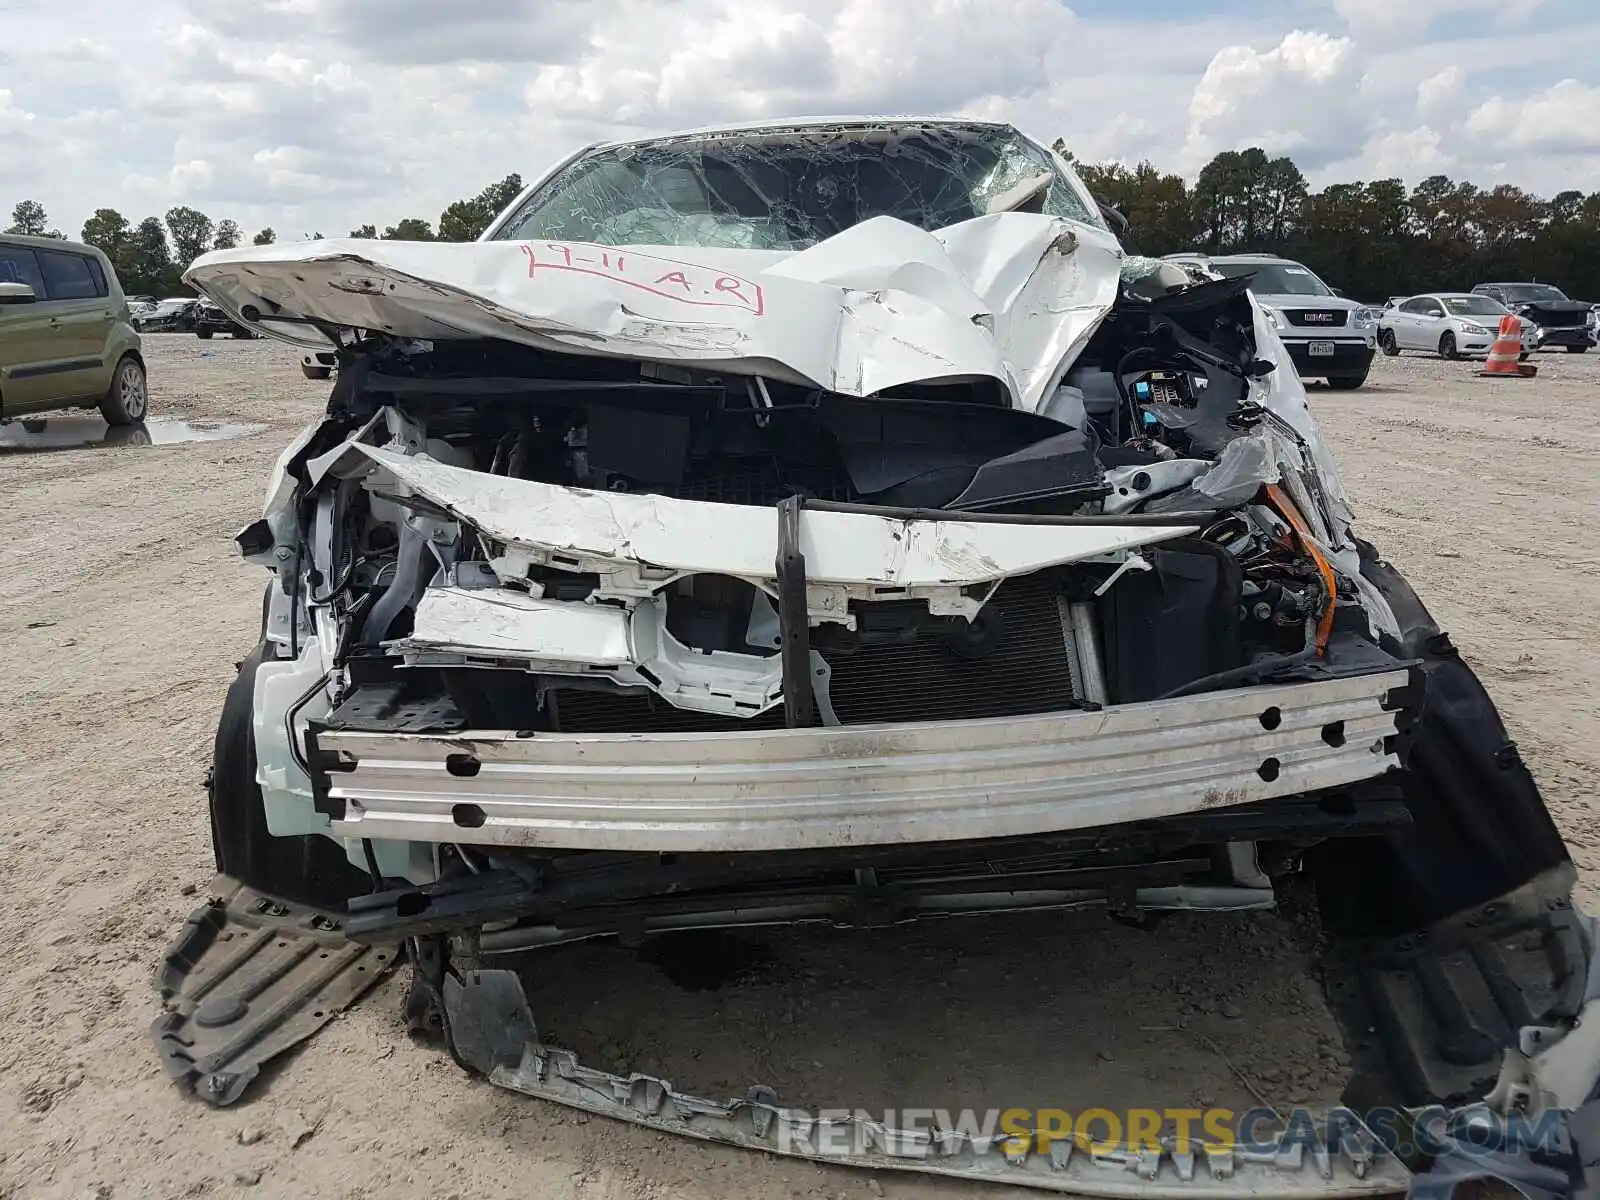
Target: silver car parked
(1449,324)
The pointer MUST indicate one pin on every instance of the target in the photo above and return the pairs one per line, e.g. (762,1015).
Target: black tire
(305,868)
(1447,346)
(1577,349)
(203,334)
(127,400)
(1387,343)
(311,372)
(1346,383)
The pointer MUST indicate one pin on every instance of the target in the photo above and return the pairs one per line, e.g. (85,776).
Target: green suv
(66,339)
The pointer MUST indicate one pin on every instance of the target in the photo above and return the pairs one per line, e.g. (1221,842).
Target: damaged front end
(917,573)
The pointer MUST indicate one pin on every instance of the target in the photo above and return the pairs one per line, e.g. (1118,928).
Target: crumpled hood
(1563,308)
(1011,297)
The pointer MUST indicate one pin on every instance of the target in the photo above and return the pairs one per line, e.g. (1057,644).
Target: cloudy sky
(323,114)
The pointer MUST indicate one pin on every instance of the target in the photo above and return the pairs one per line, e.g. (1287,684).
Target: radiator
(1028,670)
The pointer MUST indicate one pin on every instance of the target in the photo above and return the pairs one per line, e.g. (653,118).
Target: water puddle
(74,433)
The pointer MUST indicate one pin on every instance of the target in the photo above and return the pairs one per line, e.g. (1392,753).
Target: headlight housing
(1275,317)
(1473,327)
(1364,318)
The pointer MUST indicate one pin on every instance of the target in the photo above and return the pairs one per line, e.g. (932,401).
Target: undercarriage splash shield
(249,977)
(492,1032)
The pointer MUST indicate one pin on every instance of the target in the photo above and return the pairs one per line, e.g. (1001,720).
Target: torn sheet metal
(1009,297)
(617,534)
(495,1034)
(502,623)
(507,628)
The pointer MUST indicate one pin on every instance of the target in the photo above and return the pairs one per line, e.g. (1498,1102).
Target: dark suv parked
(211,319)
(1562,322)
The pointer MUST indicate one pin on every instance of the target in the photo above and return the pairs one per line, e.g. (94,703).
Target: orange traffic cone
(1506,353)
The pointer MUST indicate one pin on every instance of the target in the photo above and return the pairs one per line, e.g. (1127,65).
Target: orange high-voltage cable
(1285,507)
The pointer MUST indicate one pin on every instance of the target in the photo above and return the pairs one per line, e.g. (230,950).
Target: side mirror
(1337,292)
(16,293)
(1114,217)
(1121,228)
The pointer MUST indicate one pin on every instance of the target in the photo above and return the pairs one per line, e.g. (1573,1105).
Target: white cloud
(1297,98)
(1563,119)
(1441,94)
(447,32)
(324,114)
(192,177)
(10,113)
(694,63)
(1411,18)
(19,134)
(1406,154)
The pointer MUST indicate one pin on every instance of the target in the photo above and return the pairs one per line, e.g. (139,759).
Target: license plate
(1320,349)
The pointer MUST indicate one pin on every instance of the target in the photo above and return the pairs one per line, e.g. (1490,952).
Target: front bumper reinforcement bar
(796,789)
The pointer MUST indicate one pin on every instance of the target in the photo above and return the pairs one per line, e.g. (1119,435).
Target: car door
(82,312)
(1397,320)
(1430,323)
(1406,321)
(26,343)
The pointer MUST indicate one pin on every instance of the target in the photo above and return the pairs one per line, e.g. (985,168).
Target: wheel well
(307,868)
(127,354)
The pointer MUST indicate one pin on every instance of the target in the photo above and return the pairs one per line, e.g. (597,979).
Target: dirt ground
(123,609)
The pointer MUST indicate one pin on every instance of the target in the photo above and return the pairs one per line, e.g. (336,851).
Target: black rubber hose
(372,865)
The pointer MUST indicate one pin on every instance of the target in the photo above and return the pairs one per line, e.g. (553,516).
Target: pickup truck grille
(1317,318)
(1559,318)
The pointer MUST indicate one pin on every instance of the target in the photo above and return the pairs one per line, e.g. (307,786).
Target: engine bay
(1159,421)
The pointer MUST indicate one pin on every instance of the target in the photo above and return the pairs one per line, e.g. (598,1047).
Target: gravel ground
(123,609)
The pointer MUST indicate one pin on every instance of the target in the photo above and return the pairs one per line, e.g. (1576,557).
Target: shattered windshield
(1534,293)
(1271,279)
(1474,306)
(790,189)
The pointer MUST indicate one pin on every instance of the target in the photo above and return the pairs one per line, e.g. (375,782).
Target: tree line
(1371,239)
(150,257)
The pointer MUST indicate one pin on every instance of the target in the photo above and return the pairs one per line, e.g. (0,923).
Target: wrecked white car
(829,522)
